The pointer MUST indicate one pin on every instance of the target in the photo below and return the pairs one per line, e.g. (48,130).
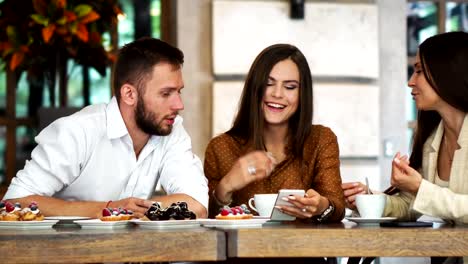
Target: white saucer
(371,220)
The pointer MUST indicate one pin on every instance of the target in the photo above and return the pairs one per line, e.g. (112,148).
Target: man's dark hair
(136,60)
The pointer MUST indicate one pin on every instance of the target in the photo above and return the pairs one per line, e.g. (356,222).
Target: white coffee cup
(371,205)
(264,203)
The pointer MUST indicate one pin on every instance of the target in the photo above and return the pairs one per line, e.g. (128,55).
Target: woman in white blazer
(434,181)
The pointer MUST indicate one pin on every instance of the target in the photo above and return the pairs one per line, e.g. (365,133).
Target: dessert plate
(98,224)
(261,217)
(66,221)
(233,223)
(361,220)
(67,218)
(27,225)
(165,224)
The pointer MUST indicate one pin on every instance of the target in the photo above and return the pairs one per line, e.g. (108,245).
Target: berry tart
(234,213)
(176,211)
(116,214)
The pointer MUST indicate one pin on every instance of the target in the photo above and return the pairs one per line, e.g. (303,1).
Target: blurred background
(56,57)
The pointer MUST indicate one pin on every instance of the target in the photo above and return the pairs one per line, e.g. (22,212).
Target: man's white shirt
(89,156)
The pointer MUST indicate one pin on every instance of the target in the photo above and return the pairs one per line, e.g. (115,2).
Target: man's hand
(137,205)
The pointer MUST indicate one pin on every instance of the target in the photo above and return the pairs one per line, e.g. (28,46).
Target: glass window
(457,16)
(422,23)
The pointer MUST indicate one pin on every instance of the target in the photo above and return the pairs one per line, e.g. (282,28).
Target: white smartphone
(277,215)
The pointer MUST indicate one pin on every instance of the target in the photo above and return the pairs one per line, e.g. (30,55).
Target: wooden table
(346,239)
(69,245)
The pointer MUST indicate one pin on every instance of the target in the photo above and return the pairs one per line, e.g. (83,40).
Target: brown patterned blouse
(319,170)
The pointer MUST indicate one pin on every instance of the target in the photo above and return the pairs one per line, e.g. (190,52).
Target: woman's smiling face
(281,98)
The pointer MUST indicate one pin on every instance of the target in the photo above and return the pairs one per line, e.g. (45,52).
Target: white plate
(45,224)
(98,224)
(261,217)
(371,220)
(232,223)
(67,218)
(166,224)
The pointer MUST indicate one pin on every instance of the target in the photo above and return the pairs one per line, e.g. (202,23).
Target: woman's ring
(251,169)
(304,210)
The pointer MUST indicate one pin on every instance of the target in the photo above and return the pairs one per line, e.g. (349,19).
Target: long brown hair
(444,61)
(249,122)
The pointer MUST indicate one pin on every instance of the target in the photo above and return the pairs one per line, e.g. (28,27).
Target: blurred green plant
(33,33)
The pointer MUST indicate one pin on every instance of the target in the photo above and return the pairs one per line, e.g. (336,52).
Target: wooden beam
(169,21)
(10,165)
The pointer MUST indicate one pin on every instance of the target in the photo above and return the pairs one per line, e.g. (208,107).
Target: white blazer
(447,203)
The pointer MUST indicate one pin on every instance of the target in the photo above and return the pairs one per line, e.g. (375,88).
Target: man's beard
(147,122)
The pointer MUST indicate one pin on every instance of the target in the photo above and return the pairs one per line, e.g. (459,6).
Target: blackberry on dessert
(176,211)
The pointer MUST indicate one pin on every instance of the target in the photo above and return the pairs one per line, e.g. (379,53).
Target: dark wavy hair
(249,122)
(136,60)
(444,61)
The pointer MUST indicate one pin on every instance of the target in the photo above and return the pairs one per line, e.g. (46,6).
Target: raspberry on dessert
(9,207)
(224,212)
(106,212)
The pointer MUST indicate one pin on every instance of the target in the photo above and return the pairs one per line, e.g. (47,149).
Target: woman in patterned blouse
(273,145)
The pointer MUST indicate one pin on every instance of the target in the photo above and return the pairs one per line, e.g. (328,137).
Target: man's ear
(128,94)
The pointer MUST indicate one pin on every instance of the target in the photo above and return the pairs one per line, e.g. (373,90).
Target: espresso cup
(371,205)
(264,203)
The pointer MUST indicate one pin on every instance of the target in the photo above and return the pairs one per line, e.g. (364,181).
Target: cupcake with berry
(2,210)
(234,213)
(32,213)
(12,212)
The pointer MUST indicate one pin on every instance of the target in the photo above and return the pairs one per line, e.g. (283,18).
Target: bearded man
(115,154)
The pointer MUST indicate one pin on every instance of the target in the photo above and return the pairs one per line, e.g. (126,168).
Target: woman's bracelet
(220,203)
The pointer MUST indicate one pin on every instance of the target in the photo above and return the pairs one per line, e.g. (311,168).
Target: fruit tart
(234,213)
(116,214)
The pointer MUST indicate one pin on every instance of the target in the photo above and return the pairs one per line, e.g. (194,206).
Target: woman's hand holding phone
(296,203)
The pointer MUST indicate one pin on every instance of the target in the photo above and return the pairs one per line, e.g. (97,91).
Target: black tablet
(406,224)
